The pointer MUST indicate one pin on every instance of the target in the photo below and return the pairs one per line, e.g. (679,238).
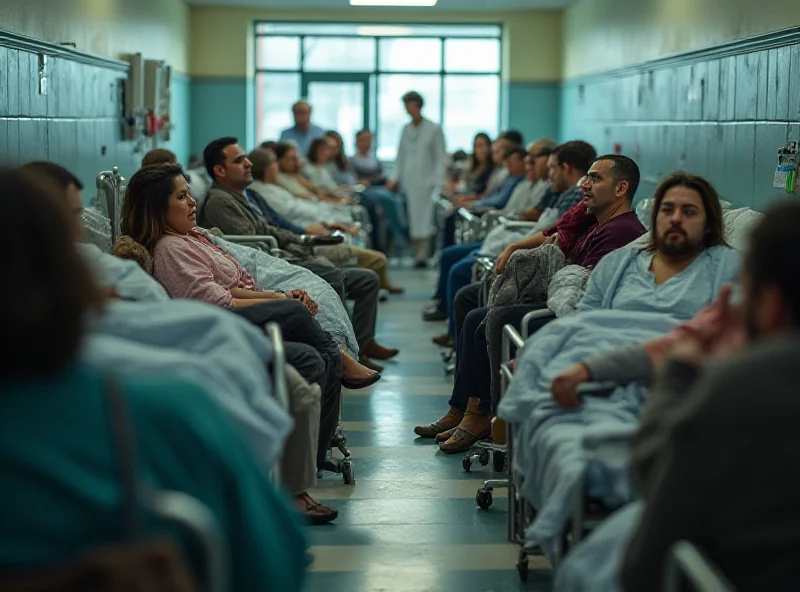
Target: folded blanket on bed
(549,457)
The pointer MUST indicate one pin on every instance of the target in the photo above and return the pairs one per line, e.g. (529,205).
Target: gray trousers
(313,353)
(299,458)
(362,286)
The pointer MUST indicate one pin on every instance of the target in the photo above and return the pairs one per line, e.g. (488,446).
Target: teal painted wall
(218,108)
(180,104)
(77,123)
(532,108)
(723,118)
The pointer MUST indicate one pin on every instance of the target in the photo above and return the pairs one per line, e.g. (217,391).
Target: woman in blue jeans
(366,170)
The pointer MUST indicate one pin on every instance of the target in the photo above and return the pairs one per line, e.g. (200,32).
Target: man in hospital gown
(418,172)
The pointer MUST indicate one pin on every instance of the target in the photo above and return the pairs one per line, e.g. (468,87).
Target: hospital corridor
(399,296)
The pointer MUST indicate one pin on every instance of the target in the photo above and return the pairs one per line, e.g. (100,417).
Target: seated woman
(298,211)
(159,214)
(368,171)
(62,490)
(141,331)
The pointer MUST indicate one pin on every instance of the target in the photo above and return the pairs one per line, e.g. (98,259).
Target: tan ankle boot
(451,419)
(498,431)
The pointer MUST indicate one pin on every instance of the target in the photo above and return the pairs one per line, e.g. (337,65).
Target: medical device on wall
(786,171)
(133,87)
(157,80)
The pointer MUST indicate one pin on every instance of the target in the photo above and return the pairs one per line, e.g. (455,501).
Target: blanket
(272,273)
(526,277)
(566,289)
(594,565)
(181,337)
(499,238)
(549,457)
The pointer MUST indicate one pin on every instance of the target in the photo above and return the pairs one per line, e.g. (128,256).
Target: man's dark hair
(414,97)
(771,256)
(282,148)
(513,136)
(58,174)
(624,169)
(214,154)
(517,149)
(50,290)
(715,234)
(577,154)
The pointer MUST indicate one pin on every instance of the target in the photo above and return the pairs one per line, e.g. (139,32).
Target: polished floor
(410,522)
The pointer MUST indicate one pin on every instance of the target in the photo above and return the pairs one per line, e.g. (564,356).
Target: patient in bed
(62,489)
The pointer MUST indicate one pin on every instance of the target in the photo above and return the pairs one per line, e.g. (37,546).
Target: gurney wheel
(522,566)
(499,462)
(484,499)
(484,458)
(466,462)
(348,475)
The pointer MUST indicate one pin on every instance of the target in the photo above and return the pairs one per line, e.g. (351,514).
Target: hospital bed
(104,220)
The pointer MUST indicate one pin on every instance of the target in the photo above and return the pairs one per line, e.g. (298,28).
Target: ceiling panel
(442,5)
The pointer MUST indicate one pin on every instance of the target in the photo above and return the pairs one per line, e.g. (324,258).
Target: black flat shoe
(354,385)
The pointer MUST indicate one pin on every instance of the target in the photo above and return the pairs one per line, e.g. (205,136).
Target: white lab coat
(419,170)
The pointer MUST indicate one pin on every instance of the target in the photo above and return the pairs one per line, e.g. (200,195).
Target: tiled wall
(77,123)
(723,118)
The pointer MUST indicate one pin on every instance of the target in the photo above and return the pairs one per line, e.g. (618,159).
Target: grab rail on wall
(110,185)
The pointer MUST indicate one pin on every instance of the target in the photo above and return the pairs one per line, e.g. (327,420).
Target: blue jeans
(450,229)
(460,277)
(450,256)
(392,206)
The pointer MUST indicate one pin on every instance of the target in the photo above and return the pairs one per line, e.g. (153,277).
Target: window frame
(376,72)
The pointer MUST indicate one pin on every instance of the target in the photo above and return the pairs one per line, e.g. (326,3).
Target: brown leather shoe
(451,419)
(366,362)
(443,340)
(395,289)
(375,350)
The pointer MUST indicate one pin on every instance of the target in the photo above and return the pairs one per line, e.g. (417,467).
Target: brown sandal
(443,424)
(462,440)
(315,513)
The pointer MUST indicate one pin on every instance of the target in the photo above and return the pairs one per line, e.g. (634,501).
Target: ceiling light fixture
(393,2)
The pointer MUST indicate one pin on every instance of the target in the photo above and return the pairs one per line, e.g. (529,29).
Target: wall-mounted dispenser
(134,89)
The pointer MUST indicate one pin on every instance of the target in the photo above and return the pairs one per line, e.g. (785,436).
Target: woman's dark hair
(715,234)
(339,158)
(313,150)
(473,161)
(144,210)
(49,288)
(281,149)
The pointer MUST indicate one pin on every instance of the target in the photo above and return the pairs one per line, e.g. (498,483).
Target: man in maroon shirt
(600,223)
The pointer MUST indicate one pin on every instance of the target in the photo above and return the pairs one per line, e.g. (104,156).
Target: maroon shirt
(600,240)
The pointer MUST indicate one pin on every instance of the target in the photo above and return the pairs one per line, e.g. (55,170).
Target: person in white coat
(419,172)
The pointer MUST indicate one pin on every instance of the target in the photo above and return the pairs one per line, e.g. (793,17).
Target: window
(334,54)
(354,75)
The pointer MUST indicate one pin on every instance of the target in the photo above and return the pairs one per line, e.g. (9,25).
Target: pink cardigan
(190,266)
